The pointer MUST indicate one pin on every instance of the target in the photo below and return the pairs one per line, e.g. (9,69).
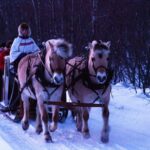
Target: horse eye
(100,55)
(93,59)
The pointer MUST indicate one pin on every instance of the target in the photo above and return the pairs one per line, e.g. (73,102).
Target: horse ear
(44,44)
(70,46)
(51,45)
(100,41)
(94,42)
(70,49)
(108,44)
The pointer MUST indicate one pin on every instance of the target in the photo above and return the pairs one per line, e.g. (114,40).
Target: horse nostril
(101,79)
(56,79)
(59,79)
(104,78)
(98,77)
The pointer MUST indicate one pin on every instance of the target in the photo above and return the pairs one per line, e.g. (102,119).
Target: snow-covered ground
(129,128)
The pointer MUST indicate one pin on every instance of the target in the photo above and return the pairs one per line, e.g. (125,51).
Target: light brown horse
(46,82)
(88,82)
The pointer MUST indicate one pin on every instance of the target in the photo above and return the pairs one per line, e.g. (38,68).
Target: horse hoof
(86,135)
(39,129)
(25,125)
(79,129)
(47,137)
(105,138)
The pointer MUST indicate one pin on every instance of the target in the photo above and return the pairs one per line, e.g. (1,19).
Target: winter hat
(24,26)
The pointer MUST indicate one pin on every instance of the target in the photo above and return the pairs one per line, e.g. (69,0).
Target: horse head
(98,60)
(57,52)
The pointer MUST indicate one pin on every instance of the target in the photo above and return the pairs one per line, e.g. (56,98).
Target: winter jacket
(20,46)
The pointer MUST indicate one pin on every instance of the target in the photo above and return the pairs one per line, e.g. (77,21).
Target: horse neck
(47,77)
(47,72)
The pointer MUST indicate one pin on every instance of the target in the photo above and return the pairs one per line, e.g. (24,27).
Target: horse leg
(41,95)
(85,128)
(78,119)
(44,118)
(55,115)
(105,130)
(38,121)
(25,119)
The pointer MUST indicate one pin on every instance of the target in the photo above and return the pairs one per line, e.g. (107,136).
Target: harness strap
(87,83)
(91,88)
(75,67)
(42,80)
(29,76)
(44,66)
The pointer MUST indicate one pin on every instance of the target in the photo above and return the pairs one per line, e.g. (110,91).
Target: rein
(44,66)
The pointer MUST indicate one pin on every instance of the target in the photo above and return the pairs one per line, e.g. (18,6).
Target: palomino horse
(45,82)
(88,82)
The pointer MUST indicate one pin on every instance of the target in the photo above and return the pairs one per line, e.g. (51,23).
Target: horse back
(74,69)
(27,67)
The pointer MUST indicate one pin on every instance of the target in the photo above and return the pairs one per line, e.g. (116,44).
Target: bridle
(99,67)
(103,52)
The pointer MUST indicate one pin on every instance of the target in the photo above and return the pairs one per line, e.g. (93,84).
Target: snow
(129,128)
(4,145)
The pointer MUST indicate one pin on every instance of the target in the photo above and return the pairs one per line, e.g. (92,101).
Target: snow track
(129,128)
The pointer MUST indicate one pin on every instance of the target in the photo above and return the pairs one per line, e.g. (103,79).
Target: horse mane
(100,45)
(60,46)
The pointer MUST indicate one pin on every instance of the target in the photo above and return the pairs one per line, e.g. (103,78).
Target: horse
(88,80)
(41,77)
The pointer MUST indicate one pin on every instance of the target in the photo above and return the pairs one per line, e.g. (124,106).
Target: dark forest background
(126,23)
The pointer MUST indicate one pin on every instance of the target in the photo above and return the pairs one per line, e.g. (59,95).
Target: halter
(96,68)
(102,52)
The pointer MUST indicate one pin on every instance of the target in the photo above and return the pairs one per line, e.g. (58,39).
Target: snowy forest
(126,23)
(100,101)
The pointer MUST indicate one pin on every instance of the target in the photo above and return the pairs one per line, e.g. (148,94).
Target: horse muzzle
(58,78)
(101,77)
